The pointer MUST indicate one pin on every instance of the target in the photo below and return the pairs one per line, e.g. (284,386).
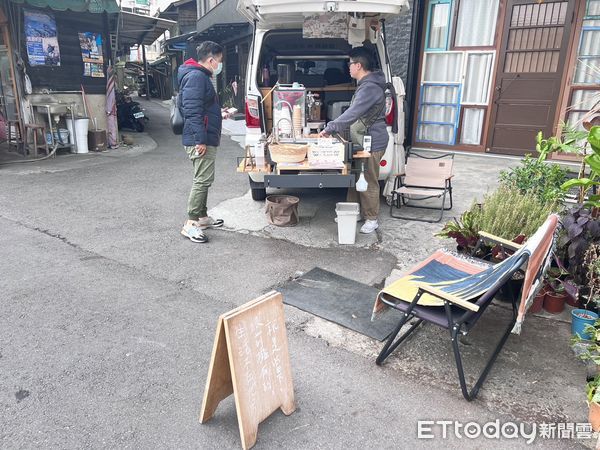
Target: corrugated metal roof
(93,6)
(136,29)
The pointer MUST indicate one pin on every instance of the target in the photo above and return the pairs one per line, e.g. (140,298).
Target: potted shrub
(507,213)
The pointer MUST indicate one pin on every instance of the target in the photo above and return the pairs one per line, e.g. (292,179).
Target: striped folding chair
(453,292)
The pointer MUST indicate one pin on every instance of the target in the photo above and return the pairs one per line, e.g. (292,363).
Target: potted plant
(556,295)
(589,352)
(583,324)
(538,301)
(507,213)
(464,231)
(593,398)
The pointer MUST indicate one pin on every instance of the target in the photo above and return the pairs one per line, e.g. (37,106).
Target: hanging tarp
(93,6)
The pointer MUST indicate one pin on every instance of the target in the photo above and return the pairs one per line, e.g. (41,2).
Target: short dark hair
(208,49)
(364,56)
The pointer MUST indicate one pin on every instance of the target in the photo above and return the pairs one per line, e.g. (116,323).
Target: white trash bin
(347,217)
(81,128)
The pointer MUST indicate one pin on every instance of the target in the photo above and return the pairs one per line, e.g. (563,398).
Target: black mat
(340,300)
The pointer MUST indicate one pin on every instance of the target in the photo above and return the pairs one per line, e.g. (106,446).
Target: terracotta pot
(572,301)
(594,416)
(554,303)
(538,302)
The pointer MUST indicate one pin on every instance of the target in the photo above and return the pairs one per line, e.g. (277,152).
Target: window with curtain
(588,58)
(472,126)
(585,86)
(478,78)
(438,113)
(438,24)
(443,66)
(476,23)
(593,9)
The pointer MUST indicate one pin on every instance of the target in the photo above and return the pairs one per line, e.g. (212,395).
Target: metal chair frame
(461,326)
(399,200)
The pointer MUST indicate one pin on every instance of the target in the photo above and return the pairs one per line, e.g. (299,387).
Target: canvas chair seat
(433,315)
(420,192)
(424,177)
(453,293)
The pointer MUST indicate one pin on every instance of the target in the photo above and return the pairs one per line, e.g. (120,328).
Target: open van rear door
(278,13)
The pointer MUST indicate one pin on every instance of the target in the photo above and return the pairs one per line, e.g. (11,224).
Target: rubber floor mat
(340,300)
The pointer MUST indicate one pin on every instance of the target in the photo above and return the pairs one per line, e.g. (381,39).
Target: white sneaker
(369,226)
(209,222)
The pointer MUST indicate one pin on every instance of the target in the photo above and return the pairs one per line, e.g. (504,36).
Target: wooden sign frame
(250,360)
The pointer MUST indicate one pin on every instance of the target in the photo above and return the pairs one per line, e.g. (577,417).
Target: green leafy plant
(580,230)
(591,260)
(464,230)
(535,175)
(589,350)
(591,390)
(589,151)
(555,279)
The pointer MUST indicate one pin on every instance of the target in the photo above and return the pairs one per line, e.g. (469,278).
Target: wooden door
(529,75)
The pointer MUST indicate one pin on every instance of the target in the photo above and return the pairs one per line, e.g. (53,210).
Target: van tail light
(252,114)
(390,108)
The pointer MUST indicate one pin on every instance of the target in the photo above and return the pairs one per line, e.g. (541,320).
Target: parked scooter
(129,113)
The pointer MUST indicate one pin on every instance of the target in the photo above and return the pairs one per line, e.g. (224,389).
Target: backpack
(177,119)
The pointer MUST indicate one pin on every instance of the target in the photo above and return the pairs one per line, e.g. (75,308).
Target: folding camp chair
(453,292)
(424,177)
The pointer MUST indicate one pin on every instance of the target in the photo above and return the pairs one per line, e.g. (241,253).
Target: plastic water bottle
(361,184)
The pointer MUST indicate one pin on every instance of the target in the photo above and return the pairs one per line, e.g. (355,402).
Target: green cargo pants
(204,175)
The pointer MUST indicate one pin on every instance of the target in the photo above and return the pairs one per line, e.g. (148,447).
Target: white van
(288,32)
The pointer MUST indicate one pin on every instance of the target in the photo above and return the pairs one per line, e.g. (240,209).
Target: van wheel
(259,193)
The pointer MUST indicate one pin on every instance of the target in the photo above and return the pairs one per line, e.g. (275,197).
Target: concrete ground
(108,315)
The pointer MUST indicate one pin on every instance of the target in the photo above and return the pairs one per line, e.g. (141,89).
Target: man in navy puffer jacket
(201,133)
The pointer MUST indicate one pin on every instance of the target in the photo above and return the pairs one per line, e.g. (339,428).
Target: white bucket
(81,130)
(347,217)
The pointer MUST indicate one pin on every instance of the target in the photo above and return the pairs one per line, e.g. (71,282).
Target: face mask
(218,70)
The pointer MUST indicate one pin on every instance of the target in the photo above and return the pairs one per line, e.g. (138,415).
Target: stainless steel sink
(53,107)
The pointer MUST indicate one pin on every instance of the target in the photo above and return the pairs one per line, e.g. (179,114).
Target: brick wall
(398,32)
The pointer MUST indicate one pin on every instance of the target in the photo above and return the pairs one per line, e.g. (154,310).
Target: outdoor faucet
(276,130)
(292,126)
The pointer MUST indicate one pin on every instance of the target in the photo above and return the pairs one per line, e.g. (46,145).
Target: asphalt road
(107,318)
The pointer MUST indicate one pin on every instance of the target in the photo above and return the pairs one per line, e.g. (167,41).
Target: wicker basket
(288,153)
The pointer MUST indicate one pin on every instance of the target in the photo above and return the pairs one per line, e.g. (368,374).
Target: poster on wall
(91,53)
(42,39)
